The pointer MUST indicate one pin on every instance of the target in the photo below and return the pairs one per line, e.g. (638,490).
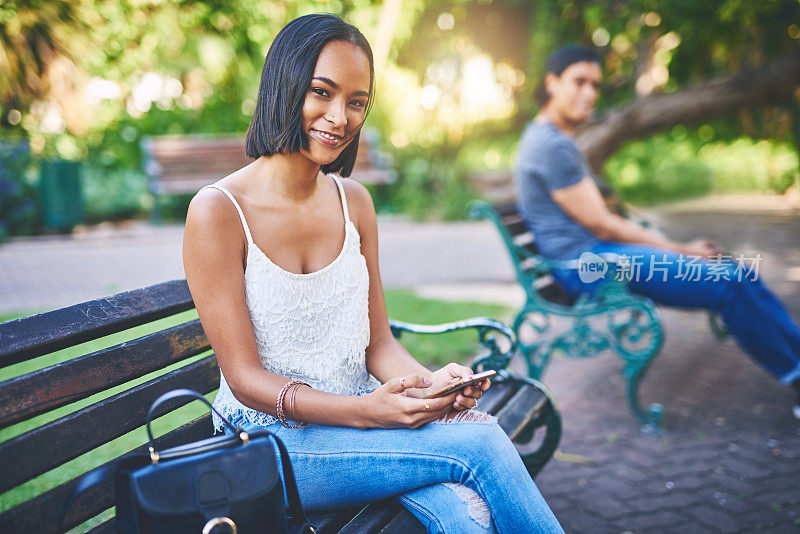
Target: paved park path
(728,458)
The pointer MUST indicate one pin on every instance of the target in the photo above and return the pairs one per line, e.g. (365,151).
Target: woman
(282,263)
(563,207)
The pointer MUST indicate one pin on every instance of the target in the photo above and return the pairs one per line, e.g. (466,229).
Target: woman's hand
(396,404)
(466,398)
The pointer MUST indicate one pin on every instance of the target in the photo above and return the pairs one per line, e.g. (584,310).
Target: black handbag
(224,484)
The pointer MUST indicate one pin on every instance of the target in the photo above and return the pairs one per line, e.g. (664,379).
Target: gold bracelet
(281,397)
(291,404)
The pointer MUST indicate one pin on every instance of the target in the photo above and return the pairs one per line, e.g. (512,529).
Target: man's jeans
(752,313)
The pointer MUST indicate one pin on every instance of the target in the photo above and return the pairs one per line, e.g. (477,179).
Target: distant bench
(186,163)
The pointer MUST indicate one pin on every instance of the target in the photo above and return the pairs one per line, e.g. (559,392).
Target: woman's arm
(214,251)
(584,203)
(386,357)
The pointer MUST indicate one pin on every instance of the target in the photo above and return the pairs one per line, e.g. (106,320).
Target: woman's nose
(336,115)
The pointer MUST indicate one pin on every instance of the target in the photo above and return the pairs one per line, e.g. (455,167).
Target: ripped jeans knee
(476,507)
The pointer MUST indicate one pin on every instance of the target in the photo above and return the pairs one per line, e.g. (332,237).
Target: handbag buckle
(154,457)
(208,527)
(244,436)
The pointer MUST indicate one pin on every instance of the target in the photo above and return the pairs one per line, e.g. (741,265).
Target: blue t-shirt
(548,160)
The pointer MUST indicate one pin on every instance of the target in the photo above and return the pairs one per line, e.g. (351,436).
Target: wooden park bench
(614,319)
(113,387)
(186,163)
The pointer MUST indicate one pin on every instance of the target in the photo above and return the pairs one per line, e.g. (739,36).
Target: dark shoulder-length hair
(276,126)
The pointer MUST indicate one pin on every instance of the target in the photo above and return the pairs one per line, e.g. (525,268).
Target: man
(564,208)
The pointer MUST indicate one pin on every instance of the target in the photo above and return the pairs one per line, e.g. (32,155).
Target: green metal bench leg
(643,322)
(537,354)
(633,373)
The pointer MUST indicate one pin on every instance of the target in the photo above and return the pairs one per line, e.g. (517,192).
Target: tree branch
(774,82)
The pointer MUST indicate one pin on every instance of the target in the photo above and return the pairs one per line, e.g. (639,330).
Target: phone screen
(461,384)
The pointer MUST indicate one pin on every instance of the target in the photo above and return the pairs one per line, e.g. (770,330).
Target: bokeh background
(87,80)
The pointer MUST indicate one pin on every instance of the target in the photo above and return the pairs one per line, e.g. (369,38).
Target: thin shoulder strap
(344,198)
(239,209)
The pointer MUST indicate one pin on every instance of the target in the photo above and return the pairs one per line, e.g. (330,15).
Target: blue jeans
(752,313)
(339,467)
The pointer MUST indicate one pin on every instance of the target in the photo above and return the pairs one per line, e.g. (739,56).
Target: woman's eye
(358,103)
(318,91)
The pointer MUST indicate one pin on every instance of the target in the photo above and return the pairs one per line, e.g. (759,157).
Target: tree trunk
(775,82)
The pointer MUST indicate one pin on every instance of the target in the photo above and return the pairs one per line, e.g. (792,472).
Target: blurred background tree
(87,79)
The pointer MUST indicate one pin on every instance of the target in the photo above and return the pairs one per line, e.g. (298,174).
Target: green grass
(438,350)
(432,351)
(13,315)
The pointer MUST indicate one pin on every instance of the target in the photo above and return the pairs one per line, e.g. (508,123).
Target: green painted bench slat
(60,384)
(59,441)
(40,514)
(27,338)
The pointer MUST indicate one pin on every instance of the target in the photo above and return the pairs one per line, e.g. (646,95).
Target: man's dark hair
(558,62)
(276,126)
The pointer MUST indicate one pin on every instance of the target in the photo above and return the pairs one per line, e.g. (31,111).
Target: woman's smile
(327,138)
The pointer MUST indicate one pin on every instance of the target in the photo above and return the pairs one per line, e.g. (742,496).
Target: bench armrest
(610,258)
(490,332)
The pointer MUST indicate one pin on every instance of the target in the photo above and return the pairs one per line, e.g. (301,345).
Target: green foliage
(679,165)
(751,165)
(714,36)
(112,193)
(18,197)
(431,184)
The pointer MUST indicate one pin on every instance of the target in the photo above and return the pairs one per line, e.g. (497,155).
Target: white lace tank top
(312,327)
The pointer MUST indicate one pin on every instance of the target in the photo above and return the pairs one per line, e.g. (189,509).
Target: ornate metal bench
(631,327)
(114,387)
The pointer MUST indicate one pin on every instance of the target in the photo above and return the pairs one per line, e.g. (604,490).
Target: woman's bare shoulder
(212,220)
(359,201)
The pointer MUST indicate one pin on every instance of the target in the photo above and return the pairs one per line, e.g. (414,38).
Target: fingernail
(427,382)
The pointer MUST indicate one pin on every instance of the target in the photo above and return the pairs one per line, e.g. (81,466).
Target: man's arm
(584,203)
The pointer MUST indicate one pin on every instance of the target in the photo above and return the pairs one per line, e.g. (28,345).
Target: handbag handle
(136,459)
(292,494)
(175,394)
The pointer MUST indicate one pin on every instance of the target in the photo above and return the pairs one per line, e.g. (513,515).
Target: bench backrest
(517,236)
(35,451)
(186,163)
(521,245)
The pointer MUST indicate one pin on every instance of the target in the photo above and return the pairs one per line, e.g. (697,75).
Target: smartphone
(461,384)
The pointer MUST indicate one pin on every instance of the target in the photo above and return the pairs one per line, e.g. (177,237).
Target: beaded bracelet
(293,385)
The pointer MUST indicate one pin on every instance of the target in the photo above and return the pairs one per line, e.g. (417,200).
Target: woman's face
(336,101)
(574,93)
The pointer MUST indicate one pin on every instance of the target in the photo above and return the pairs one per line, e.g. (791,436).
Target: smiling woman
(282,263)
(331,62)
